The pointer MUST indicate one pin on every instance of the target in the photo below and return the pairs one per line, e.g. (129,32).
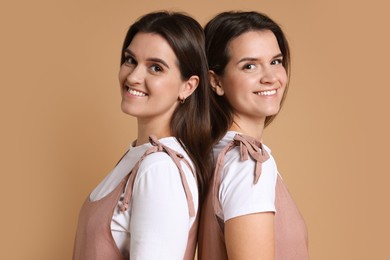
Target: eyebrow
(280,55)
(158,60)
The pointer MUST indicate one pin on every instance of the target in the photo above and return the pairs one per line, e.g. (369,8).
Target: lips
(136,93)
(266,92)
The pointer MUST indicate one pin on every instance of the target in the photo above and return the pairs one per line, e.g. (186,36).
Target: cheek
(282,75)
(285,81)
(234,93)
(231,84)
(123,72)
(120,76)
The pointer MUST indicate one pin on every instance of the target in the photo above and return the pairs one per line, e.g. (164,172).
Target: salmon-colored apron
(94,239)
(290,229)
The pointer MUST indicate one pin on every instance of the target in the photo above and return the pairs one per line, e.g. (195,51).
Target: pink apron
(94,239)
(290,229)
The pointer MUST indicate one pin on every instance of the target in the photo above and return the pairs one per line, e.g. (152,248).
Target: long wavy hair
(190,122)
(219,32)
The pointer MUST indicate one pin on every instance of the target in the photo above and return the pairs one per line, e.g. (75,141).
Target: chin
(271,112)
(126,110)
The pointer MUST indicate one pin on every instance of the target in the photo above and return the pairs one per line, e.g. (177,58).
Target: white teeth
(136,93)
(267,92)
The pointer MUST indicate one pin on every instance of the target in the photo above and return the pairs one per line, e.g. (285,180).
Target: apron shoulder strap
(176,157)
(249,147)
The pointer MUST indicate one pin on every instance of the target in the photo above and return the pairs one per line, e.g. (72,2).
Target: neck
(147,128)
(248,126)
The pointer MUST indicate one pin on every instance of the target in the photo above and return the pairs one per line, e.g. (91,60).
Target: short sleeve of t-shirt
(160,221)
(238,194)
(157,223)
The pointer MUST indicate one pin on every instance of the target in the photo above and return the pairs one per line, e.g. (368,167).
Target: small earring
(182,100)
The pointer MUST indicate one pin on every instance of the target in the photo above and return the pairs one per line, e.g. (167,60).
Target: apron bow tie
(249,147)
(253,148)
(176,157)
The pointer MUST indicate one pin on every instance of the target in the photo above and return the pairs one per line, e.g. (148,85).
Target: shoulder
(163,158)
(158,175)
(161,162)
(232,160)
(223,143)
(157,163)
(238,193)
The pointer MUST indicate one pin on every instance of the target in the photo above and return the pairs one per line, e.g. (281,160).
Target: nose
(269,76)
(135,76)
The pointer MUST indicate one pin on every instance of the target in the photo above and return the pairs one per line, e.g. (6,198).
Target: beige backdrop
(62,129)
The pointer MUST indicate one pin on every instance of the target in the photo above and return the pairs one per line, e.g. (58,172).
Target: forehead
(256,44)
(151,45)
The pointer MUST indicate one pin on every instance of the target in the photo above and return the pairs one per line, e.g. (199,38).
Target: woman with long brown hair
(248,212)
(147,207)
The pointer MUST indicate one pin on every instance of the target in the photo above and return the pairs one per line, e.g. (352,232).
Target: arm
(251,237)
(248,209)
(160,221)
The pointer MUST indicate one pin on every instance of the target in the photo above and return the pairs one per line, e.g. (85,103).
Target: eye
(277,61)
(130,60)
(249,66)
(156,68)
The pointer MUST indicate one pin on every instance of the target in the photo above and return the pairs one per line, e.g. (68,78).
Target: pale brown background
(62,129)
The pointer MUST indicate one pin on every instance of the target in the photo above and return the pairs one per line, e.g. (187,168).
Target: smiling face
(150,80)
(254,79)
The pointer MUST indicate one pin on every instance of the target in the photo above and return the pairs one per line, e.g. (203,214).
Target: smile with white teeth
(267,92)
(136,92)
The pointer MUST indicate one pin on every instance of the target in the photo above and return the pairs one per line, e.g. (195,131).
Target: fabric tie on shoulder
(176,157)
(249,147)
(254,148)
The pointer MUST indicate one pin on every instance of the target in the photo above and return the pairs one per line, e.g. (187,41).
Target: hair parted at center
(190,122)
(219,32)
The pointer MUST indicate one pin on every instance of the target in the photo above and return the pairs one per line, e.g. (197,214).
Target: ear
(189,87)
(215,83)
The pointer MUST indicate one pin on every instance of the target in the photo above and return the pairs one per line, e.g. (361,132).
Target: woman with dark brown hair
(147,207)
(248,212)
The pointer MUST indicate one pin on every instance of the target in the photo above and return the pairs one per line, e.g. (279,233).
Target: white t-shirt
(238,194)
(157,223)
